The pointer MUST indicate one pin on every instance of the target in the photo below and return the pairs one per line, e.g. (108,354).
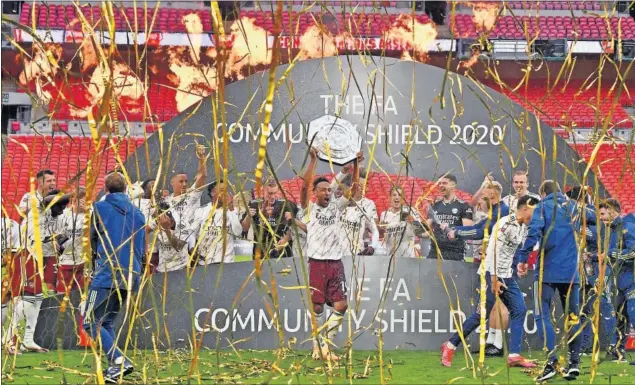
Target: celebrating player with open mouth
(325,249)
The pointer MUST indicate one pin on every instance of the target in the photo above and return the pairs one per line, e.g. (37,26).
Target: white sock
(333,324)
(5,310)
(32,311)
(17,315)
(319,321)
(450,346)
(491,335)
(513,355)
(498,338)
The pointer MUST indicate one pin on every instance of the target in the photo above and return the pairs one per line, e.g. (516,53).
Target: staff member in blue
(595,237)
(554,224)
(622,251)
(118,244)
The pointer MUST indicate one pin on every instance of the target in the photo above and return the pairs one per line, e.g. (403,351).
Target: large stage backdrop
(414,120)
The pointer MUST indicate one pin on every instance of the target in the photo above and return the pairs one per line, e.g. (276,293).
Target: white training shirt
(185,205)
(10,235)
(71,225)
(325,232)
(208,231)
(47,227)
(399,236)
(169,258)
(25,202)
(299,240)
(506,237)
(356,219)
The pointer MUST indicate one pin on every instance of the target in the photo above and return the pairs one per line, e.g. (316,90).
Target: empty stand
(171,20)
(556,5)
(614,166)
(545,27)
(66,156)
(572,105)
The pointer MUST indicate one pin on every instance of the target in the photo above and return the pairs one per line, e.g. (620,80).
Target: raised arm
(473,232)
(477,195)
(340,177)
(349,192)
(201,175)
(309,176)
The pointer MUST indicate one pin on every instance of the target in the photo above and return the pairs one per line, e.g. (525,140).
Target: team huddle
(167,231)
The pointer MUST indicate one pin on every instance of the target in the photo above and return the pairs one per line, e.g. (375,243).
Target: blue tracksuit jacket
(118,240)
(554,224)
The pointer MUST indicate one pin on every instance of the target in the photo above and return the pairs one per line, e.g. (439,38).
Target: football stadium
(297,192)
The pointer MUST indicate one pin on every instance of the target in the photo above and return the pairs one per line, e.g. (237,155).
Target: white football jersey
(185,205)
(399,236)
(10,235)
(325,232)
(299,240)
(208,231)
(169,258)
(356,219)
(71,225)
(507,236)
(47,226)
(25,202)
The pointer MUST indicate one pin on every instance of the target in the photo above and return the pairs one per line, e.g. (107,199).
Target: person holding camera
(273,220)
(399,225)
(216,224)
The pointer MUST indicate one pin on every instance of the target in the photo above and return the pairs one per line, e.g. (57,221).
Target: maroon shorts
(25,277)
(69,278)
(327,281)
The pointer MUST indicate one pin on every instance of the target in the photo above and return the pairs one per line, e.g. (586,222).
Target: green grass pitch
(294,367)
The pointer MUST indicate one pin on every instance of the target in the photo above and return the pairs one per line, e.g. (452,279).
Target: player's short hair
(40,174)
(611,203)
(576,193)
(526,200)
(319,180)
(450,177)
(213,185)
(549,187)
(177,172)
(496,186)
(115,183)
(146,182)
(520,173)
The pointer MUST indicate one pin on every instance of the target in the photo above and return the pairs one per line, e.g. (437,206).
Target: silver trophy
(336,139)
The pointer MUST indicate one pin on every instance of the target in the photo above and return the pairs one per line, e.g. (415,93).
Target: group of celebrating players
(337,220)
